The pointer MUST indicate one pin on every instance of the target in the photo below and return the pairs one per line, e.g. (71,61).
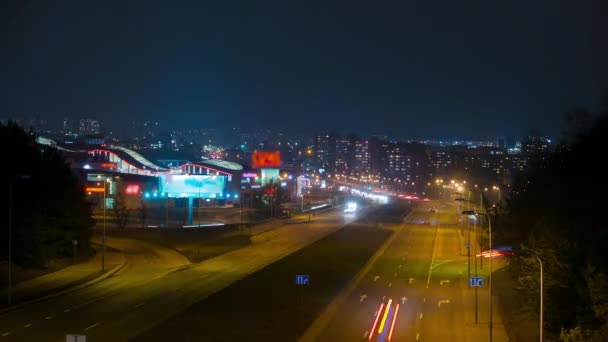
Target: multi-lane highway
(156,284)
(416,290)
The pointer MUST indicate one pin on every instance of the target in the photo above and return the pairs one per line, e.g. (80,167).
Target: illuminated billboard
(270,176)
(266,159)
(204,186)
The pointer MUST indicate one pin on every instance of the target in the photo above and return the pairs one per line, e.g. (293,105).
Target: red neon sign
(266,159)
(132,189)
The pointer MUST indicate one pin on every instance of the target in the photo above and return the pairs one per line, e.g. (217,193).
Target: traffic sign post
(475,281)
(302,279)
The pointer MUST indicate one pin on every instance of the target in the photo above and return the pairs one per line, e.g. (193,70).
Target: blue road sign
(476,281)
(302,279)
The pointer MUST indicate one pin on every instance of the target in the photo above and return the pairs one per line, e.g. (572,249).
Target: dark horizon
(464,71)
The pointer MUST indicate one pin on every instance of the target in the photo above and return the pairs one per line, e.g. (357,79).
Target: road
(156,284)
(422,279)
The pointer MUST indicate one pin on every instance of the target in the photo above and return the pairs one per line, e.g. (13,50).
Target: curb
(319,324)
(102,277)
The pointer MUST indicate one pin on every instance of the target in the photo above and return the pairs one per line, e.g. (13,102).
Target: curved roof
(138,157)
(223,164)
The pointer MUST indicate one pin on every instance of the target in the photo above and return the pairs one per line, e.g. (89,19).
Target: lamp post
(490,272)
(10,232)
(103,238)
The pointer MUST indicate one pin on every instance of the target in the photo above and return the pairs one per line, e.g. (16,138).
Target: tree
(557,209)
(120,211)
(49,208)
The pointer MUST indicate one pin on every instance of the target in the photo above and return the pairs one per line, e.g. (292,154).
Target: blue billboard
(203,186)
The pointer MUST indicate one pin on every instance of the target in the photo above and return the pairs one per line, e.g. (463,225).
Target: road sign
(468,245)
(302,279)
(476,281)
(75,338)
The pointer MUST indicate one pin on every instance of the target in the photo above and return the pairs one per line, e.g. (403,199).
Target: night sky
(438,69)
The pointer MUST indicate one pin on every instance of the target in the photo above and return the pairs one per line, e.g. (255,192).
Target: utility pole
(490,243)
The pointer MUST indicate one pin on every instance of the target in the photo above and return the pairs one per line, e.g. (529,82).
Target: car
(285,214)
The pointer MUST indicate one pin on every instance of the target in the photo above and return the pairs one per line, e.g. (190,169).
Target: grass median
(268,305)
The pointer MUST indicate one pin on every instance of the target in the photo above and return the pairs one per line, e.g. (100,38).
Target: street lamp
(10,231)
(103,238)
(490,272)
(494,187)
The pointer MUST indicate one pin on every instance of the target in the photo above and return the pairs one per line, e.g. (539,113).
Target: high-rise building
(362,157)
(89,126)
(68,126)
(535,144)
(325,150)
(378,155)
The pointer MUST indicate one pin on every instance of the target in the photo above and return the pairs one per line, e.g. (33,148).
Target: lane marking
(428,280)
(443,301)
(441,282)
(424,300)
(385,316)
(27,325)
(376,321)
(363,296)
(6,334)
(365,335)
(395,275)
(376,277)
(66,310)
(421,315)
(390,334)
(411,280)
(91,326)
(390,284)
(48,317)
(205,276)
(403,299)
(139,305)
(417,336)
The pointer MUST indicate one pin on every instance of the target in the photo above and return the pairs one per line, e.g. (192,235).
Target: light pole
(497,188)
(491,256)
(540,327)
(10,232)
(103,238)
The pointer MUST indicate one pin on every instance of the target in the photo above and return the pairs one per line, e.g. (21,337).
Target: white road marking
(399,266)
(441,282)
(6,334)
(365,335)
(204,276)
(411,280)
(363,296)
(91,326)
(140,305)
(27,325)
(66,310)
(417,336)
(403,299)
(48,317)
(424,300)
(443,301)
(395,275)
(428,280)
(421,315)
(390,284)
(376,277)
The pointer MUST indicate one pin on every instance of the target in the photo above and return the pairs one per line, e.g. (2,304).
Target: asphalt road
(422,279)
(156,284)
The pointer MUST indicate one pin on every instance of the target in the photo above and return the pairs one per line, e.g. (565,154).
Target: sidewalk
(480,331)
(63,279)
